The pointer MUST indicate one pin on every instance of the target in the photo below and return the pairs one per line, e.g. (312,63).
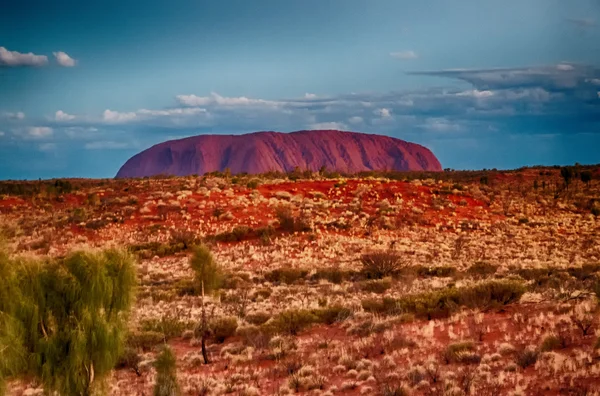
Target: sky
(482,83)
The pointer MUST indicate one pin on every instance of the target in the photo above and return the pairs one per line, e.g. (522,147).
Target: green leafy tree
(207,272)
(166,373)
(64,320)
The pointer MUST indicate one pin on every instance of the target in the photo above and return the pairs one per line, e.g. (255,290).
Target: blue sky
(484,84)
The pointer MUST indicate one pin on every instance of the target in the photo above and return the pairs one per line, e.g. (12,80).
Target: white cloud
(63,59)
(2,133)
(15,58)
(383,112)
(329,125)
(116,117)
(19,115)
(62,116)
(440,125)
(47,147)
(103,145)
(310,96)
(475,93)
(172,112)
(404,55)
(564,67)
(217,100)
(39,132)
(595,81)
(355,120)
(80,132)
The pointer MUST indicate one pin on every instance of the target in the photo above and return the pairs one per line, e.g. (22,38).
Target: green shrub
(551,343)
(286,275)
(292,321)
(257,318)
(169,326)
(208,274)
(442,303)
(330,315)
(166,374)
(386,305)
(381,264)
(222,328)
(461,352)
(491,294)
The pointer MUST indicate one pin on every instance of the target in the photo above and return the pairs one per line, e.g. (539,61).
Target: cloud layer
(501,106)
(18,59)
(15,58)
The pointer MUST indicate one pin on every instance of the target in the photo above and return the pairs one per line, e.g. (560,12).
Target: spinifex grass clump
(63,320)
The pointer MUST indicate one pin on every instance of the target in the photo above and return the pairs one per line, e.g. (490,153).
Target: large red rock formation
(273,151)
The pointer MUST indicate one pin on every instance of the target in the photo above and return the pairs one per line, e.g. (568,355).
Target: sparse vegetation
(392,283)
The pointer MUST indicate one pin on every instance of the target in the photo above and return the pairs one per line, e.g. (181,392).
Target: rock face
(273,151)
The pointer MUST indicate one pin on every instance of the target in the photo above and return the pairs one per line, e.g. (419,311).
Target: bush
(491,294)
(166,374)
(292,321)
(144,340)
(286,275)
(332,314)
(168,325)
(381,264)
(223,328)
(442,303)
(527,357)
(208,273)
(389,390)
(257,318)
(461,352)
(551,343)
(289,222)
(253,184)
